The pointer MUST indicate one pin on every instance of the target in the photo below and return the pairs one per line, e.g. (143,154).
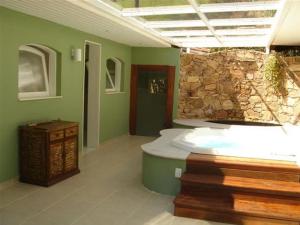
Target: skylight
(204,23)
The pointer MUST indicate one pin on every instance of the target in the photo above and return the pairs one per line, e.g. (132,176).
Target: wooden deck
(240,191)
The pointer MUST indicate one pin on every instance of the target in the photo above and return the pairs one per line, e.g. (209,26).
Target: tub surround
(162,147)
(159,162)
(165,155)
(199,123)
(224,188)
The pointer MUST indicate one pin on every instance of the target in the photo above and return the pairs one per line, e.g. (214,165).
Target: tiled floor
(108,191)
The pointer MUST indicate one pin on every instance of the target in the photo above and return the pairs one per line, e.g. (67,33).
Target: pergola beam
(205,8)
(211,42)
(221,32)
(224,38)
(213,22)
(203,17)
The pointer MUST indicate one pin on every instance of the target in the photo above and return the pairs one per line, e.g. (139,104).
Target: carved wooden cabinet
(48,152)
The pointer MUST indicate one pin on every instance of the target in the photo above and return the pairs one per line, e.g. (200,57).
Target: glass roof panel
(244,14)
(244,27)
(182,28)
(221,31)
(238,24)
(172,17)
(148,3)
(228,1)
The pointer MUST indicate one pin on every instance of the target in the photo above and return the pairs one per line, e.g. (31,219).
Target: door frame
(93,121)
(135,70)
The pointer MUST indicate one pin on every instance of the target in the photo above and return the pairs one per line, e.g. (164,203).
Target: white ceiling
(99,19)
(79,14)
(288,29)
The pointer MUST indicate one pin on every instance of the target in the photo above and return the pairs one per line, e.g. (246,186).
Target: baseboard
(8,183)
(86,151)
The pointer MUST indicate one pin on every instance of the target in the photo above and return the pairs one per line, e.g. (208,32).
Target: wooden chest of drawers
(48,152)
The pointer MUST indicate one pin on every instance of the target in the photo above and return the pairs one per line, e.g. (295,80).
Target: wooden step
(214,170)
(248,164)
(228,218)
(271,187)
(239,205)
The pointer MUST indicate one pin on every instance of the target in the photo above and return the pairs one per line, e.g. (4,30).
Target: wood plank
(133,99)
(239,204)
(214,170)
(240,190)
(243,184)
(212,191)
(242,163)
(228,218)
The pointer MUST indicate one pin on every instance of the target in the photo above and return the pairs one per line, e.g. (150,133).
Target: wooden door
(170,76)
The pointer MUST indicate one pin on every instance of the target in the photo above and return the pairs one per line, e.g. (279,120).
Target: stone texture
(230,85)
(227,104)
(210,87)
(192,79)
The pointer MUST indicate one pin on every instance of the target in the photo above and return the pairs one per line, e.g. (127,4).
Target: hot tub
(169,152)
(273,143)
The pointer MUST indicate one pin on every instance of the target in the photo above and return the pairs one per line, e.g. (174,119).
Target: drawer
(56,135)
(71,131)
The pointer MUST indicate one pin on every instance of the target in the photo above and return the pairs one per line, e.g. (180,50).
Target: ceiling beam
(110,10)
(203,17)
(210,42)
(279,18)
(213,22)
(205,8)
(221,32)
(225,38)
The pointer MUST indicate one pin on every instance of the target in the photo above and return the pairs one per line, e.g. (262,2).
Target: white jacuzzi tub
(273,143)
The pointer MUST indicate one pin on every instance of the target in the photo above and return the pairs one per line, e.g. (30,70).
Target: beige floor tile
(16,192)
(108,191)
(64,212)
(102,216)
(11,217)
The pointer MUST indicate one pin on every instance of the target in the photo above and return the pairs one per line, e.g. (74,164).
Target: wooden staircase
(240,191)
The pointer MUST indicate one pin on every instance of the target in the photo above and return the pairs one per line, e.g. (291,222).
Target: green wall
(17,29)
(160,56)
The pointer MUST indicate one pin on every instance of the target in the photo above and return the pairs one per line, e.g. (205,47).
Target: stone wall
(230,85)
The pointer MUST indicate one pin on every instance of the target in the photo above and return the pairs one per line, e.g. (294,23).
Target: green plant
(273,72)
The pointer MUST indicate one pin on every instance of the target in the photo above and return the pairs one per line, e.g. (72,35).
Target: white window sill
(40,98)
(114,92)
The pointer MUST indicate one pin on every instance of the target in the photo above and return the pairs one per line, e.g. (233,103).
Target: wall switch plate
(178,172)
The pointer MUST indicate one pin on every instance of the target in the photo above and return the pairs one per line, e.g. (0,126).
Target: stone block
(291,101)
(213,64)
(210,87)
(254,99)
(238,74)
(192,79)
(250,76)
(227,104)
(222,114)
